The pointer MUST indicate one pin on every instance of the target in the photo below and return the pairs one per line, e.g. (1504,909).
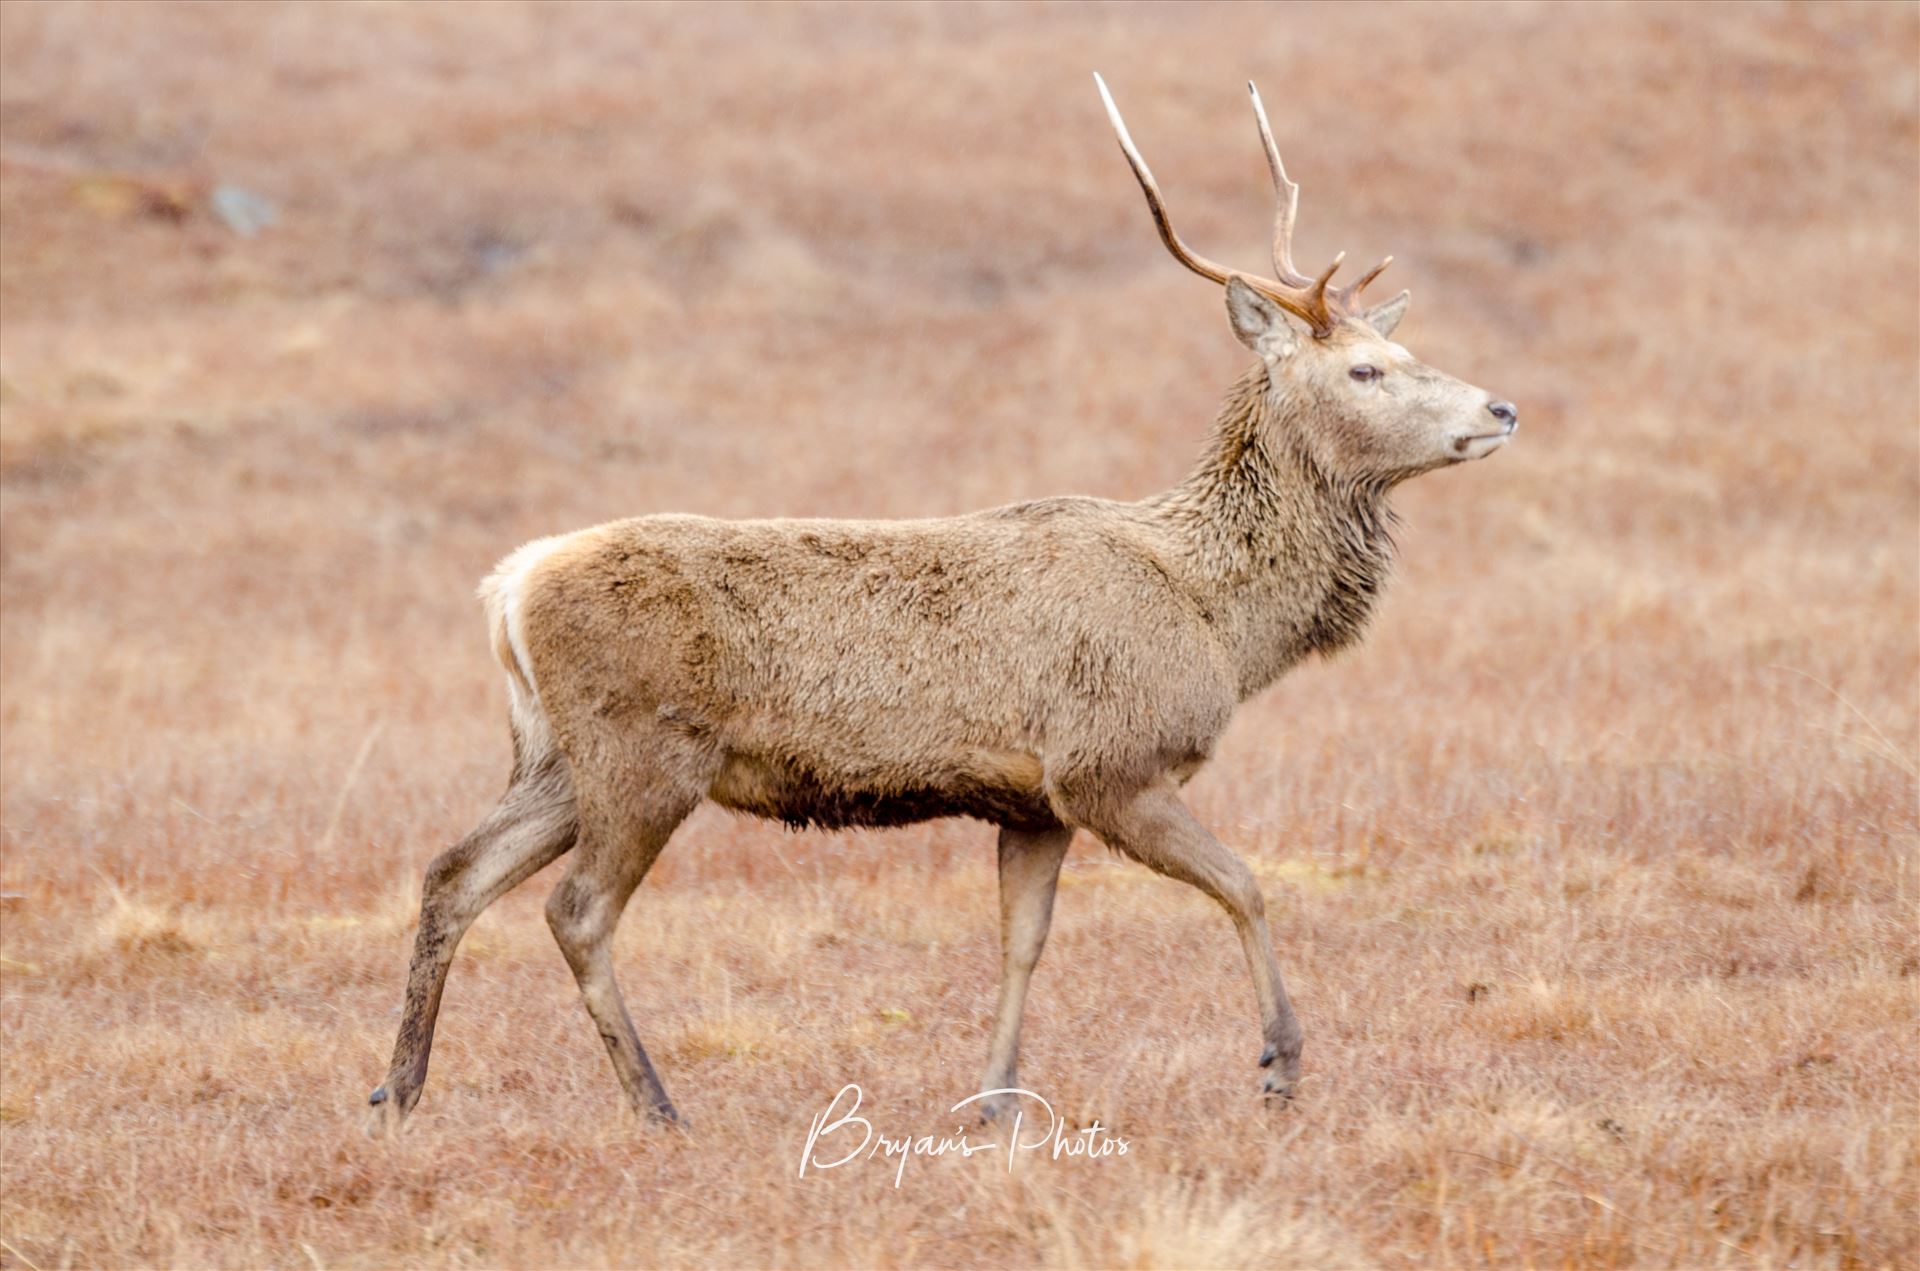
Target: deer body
(849,673)
(1049,666)
(841,673)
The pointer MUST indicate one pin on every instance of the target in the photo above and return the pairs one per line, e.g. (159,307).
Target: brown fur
(1046,666)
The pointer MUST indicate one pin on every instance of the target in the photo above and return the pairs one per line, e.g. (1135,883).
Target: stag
(1047,667)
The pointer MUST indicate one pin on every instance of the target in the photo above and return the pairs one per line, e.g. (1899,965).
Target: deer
(1047,667)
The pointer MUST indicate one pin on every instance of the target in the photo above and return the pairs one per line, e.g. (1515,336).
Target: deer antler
(1312,300)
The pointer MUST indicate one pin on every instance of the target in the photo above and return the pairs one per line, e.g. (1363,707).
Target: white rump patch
(503,592)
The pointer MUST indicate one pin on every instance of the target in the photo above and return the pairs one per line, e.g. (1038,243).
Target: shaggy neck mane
(1289,556)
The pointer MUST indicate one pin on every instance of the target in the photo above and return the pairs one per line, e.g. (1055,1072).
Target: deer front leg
(1156,829)
(1029,872)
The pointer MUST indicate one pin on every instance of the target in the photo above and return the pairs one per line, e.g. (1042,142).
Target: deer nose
(1506,413)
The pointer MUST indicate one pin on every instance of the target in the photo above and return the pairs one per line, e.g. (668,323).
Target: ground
(1592,870)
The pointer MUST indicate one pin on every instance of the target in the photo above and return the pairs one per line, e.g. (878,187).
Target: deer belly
(1003,787)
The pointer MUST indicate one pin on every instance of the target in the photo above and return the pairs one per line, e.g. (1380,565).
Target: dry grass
(1593,870)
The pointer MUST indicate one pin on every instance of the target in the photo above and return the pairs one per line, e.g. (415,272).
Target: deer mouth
(1480,444)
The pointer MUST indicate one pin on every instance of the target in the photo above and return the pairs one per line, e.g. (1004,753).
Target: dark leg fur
(533,824)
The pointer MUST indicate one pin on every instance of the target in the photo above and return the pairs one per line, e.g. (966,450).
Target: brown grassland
(1592,870)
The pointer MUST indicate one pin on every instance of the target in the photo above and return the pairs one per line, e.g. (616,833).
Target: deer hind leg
(533,823)
(1029,873)
(1156,829)
(623,827)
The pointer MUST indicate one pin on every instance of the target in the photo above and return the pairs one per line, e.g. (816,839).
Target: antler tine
(1286,192)
(1192,260)
(1368,277)
(1317,295)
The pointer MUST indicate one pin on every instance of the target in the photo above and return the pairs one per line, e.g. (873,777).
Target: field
(1592,871)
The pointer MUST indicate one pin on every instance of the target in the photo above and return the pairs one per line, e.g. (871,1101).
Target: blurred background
(310,312)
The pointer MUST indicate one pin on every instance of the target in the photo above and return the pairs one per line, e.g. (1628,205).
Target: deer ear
(1258,322)
(1386,315)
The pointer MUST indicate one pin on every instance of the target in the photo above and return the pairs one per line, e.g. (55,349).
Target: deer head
(1367,410)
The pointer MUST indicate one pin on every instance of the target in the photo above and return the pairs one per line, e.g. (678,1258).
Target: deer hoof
(667,1117)
(387,1116)
(996,1111)
(384,1123)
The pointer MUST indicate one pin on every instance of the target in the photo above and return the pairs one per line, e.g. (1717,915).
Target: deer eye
(1364,373)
